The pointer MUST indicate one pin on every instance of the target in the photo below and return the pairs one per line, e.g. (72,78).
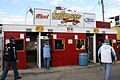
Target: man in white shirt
(107,55)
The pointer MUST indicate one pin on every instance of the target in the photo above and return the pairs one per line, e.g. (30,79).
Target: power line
(112,4)
(94,6)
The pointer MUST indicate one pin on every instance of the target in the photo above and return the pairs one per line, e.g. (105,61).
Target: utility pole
(102,10)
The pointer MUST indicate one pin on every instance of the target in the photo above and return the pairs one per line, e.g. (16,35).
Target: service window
(19,44)
(59,44)
(80,44)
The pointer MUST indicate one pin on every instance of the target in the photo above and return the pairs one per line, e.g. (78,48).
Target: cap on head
(12,39)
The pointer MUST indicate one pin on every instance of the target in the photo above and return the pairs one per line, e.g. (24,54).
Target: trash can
(83,59)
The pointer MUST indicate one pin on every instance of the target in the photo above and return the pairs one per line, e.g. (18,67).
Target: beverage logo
(89,20)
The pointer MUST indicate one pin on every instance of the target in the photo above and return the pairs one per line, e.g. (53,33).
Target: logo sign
(69,29)
(39,28)
(66,18)
(89,20)
(42,17)
(96,30)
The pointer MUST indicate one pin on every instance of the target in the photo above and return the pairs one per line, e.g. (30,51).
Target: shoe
(18,78)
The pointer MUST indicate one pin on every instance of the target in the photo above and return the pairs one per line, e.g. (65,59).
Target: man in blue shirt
(47,55)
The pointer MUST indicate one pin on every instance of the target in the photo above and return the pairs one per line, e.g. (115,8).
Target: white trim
(60,29)
(39,51)
(94,48)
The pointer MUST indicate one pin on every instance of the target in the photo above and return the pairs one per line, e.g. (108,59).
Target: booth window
(59,44)
(19,44)
(80,44)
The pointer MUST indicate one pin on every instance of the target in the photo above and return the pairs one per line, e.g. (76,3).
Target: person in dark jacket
(10,58)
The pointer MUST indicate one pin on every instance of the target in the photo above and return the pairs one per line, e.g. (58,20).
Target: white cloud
(15,1)
(56,2)
(81,9)
(64,2)
(12,19)
(117,0)
(36,0)
(2,13)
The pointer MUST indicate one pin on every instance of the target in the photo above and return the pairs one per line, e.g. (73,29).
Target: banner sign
(42,17)
(66,18)
(89,20)
(63,18)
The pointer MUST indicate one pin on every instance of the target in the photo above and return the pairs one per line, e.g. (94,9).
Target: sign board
(89,20)
(63,18)
(42,17)
(66,18)
(39,28)
(96,30)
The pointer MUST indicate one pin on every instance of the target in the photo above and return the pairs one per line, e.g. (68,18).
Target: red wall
(68,56)
(114,36)
(110,37)
(21,54)
(100,24)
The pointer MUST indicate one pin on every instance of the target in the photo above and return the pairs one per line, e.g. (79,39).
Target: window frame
(81,46)
(63,42)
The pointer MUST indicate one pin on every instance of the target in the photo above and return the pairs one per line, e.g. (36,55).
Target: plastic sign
(96,30)
(39,28)
(89,20)
(41,16)
(66,18)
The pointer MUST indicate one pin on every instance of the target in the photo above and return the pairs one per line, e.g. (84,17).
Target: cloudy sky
(14,11)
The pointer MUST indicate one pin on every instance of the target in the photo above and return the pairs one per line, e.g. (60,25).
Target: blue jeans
(13,64)
(47,63)
(108,68)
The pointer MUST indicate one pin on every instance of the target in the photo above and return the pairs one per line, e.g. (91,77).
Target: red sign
(41,16)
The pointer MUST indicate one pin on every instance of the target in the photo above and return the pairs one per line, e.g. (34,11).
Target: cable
(94,7)
(112,4)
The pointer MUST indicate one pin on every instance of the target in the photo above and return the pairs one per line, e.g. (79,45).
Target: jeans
(13,64)
(47,63)
(108,68)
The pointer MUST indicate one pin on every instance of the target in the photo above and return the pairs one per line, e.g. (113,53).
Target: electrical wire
(94,6)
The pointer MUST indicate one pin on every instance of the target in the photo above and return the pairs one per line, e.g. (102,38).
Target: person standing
(47,55)
(10,58)
(107,55)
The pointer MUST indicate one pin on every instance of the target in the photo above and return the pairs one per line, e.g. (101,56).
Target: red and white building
(69,34)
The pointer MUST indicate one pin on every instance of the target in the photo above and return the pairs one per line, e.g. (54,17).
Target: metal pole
(102,10)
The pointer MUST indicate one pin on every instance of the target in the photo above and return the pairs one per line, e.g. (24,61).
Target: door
(90,48)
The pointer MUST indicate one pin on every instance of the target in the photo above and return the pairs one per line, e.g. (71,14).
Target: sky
(14,11)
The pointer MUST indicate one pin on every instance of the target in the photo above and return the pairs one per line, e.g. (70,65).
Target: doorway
(42,38)
(31,49)
(90,47)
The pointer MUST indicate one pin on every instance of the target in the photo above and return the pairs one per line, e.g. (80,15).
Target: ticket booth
(20,40)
